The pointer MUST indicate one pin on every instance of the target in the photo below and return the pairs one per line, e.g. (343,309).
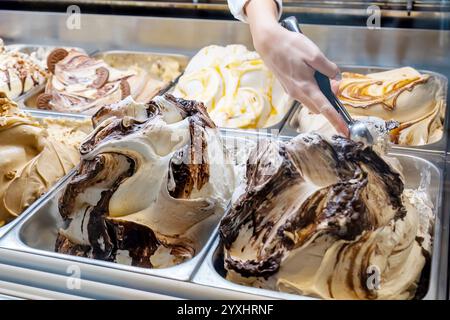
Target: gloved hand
(293,58)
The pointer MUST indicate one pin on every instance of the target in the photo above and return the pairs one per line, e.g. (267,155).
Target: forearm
(261,11)
(262,16)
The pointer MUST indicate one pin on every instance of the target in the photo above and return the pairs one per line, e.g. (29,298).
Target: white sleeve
(237,8)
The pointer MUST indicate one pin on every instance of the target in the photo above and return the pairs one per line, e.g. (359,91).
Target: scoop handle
(291,24)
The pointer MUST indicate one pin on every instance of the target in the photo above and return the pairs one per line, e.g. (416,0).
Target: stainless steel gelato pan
(418,171)
(440,140)
(37,234)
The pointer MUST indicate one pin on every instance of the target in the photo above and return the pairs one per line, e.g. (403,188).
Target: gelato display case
(158,157)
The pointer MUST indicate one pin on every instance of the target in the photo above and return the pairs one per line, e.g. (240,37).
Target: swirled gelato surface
(34,156)
(318,217)
(19,72)
(81,84)
(404,95)
(236,87)
(153,182)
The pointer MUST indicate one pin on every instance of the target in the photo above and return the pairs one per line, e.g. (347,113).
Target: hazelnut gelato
(35,155)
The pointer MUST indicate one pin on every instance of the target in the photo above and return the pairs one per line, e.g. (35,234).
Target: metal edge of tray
(46,113)
(183,271)
(446,228)
(271,131)
(436,147)
(59,115)
(277,128)
(13,240)
(99,280)
(37,284)
(208,275)
(181,58)
(23,46)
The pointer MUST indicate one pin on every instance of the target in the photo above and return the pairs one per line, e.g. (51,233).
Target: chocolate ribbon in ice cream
(35,155)
(81,84)
(315,216)
(404,95)
(153,182)
(19,72)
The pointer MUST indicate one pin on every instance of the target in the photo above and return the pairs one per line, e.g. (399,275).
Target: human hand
(293,58)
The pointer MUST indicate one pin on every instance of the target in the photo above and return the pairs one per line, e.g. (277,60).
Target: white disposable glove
(293,58)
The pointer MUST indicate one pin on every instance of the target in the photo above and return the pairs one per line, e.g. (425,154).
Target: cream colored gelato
(236,87)
(34,156)
(328,219)
(19,72)
(153,183)
(413,99)
(81,84)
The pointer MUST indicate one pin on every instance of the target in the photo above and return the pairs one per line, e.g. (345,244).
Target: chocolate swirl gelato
(35,155)
(153,182)
(316,217)
(19,72)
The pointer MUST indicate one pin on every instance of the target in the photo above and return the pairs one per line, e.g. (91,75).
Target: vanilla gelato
(237,88)
(152,185)
(328,219)
(35,155)
(81,84)
(19,72)
(413,99)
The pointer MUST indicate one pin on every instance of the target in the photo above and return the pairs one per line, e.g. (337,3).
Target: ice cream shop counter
(160,158)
